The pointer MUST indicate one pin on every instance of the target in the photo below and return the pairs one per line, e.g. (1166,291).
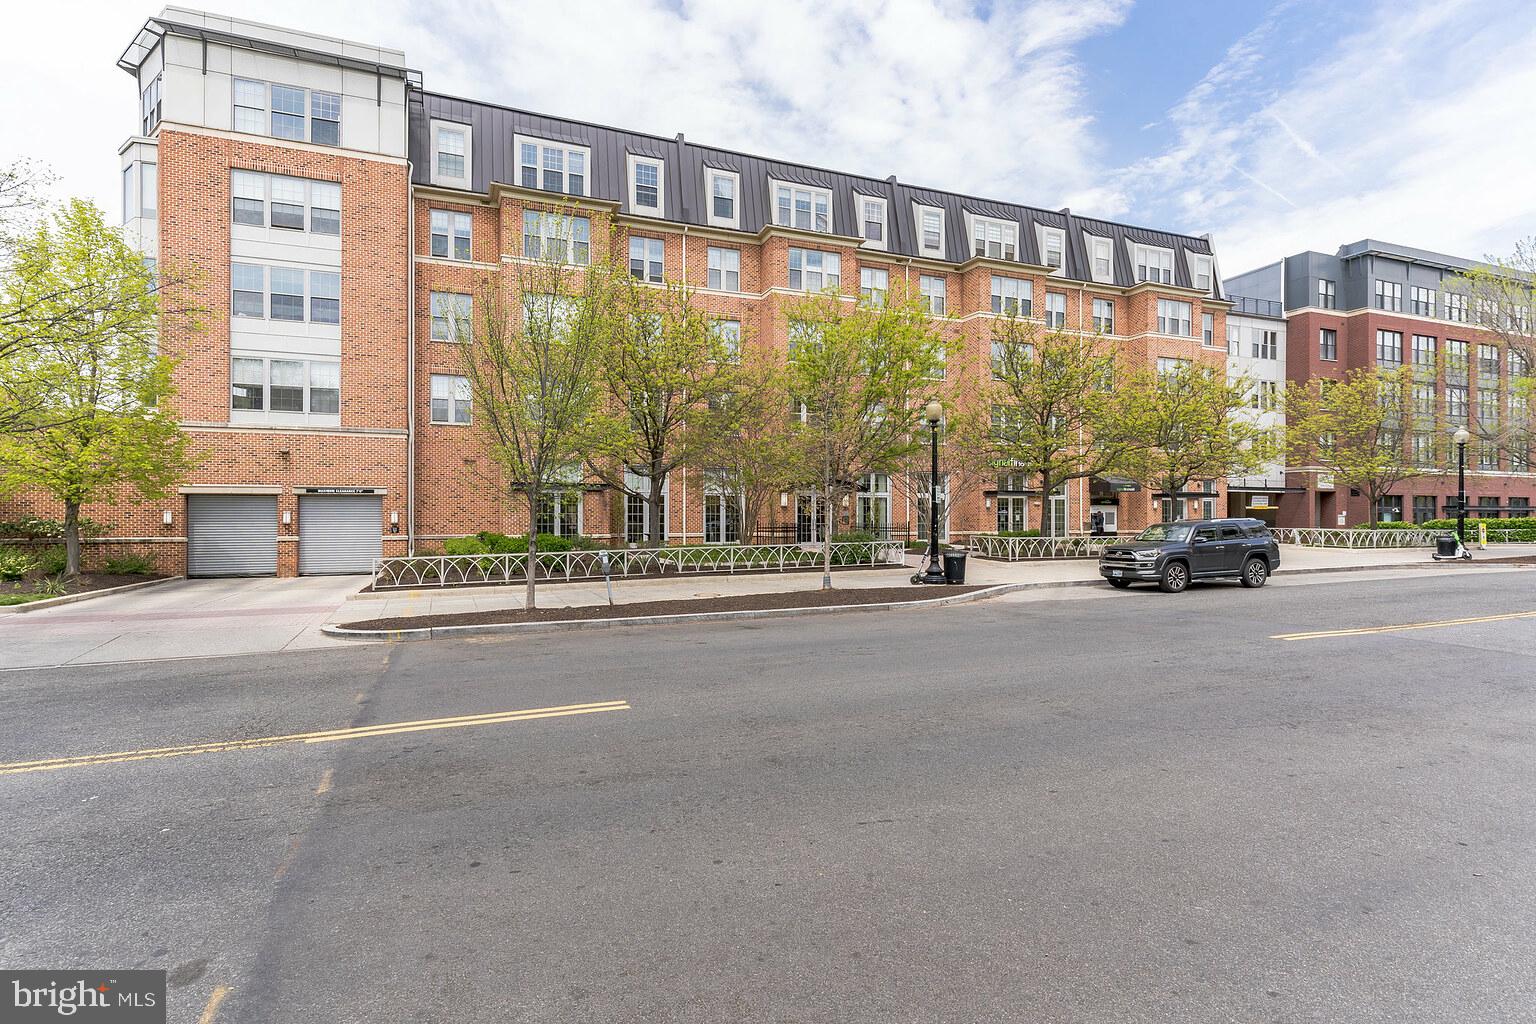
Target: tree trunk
(658,531)
(72,539)
(1047,524)
(530,574)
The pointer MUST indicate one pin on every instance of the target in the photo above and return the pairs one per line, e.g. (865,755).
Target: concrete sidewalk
(430,601)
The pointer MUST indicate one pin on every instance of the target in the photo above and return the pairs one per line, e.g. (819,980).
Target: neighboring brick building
(1377,304)
(277,162)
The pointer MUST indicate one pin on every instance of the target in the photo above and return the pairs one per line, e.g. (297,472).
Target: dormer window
(994,239)
(1200,272)
(1053,245)
(724,187)
(646,186)
(551,166)
(802,206)
(872,221)
(1103,259)
(1154,264)
(450,154)
(930,231)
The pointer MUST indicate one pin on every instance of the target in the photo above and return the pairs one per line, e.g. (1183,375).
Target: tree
(858,374)
(748,439)
(666,357)
(532,349)
(1187,425)
(1051,410)
(1353,428)
(1497,298)
(96,414)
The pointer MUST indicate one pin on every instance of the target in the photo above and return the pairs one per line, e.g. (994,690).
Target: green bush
(130,565)
(465,546)
(52,561)
(36,528)
(15,563)
(1018,533)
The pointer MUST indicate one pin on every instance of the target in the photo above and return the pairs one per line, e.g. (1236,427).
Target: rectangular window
(450,235)
(723,186)
(722,512)
(285,392)
(994,239)
(249,191)
(802,206)
(559,514)
(1327,294)
(451,401)
(287,113)
(557,238)
(1103,268)
(325,118)
(1055,310)
(450,316)
(1154,264)
(874,282)
(284,385)
(724,269)
(325,388)
(1456,403)
(1104,316)
(287,294)
(1424,400)
(1424,353)
(1328,344)
(149,107)
(1518,367)
(250,106)
(1456,359)
(1421,301)
(1455,307)
(248,281)
(1169,366)
(645,259)
(645,185)
(324,297)
(1173,317)
(149,189)
(1202,273)
(1012,297)
(933,289)
(1424,504)
(287,202)
(729,333)
(551,166)
(1487,364)
(1265,395)
(930,231)
(812,270)
(129,200)
(1389,349)
(325,208)
(452,153)
(1389,296)
(1208,328)
(1053,246)
(248,384)
(872,219)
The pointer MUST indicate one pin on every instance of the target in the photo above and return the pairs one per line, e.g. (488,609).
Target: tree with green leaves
(858,374)
(94,392)
(1051,409)
(533,348)
(1498,298)
(1354,429)
(666,357)
(1188,425)
(747,439)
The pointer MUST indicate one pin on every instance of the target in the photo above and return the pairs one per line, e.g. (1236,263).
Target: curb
(52,602)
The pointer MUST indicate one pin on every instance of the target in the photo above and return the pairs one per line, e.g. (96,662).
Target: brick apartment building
(340,213)
(1376,304)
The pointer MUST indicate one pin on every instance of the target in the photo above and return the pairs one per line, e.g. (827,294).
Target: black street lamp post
(935,571)
(1461,437)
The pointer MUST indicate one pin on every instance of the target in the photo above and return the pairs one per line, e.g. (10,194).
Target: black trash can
(1445,545)
(954,567)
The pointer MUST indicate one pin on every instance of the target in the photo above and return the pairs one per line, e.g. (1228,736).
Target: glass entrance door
(1012,513)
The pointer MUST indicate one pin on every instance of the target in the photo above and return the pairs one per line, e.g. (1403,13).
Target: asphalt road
(1086,807)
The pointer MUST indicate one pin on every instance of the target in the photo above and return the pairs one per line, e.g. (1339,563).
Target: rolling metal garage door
(231,535)
(339,533)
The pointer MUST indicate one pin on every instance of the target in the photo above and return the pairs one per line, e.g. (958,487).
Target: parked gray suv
(1172,555)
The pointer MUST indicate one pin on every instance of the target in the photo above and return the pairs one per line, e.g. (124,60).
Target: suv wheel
(1175,578)
(1255,573)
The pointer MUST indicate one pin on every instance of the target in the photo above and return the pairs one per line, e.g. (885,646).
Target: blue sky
(1276,126)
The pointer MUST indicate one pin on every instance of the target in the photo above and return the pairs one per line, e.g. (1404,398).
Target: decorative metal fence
(1020,549)
(462,570)
(1332,538)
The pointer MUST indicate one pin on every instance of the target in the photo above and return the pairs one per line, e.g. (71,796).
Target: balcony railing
(1021,549)
(1258,307)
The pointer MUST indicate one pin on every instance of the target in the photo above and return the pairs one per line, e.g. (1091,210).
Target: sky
(1274,125)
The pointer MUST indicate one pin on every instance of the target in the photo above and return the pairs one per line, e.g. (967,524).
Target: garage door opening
(339,533)
(231,535)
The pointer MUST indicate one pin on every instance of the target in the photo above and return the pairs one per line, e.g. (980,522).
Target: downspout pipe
(410,358)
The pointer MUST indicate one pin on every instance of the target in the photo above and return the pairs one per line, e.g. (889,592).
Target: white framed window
(873,225)
(250,114)
(149,106)
(1055,310)
(274,200)
(1011,296)
(1102,254)
(450,316)
(450,235)
(729,334)
(1327,344)
(874,282)
(1389,296)
(260,291)
(1327,294)
(557,238)
(1173,317)
(723,197)
(647,185)
(1169,366)
(724,269)
(1265,343)
(261,385)
(812,270)
(801,206)
(325,118)
(1053,249)
(646,258)
(932,287)
(1389,349)
(1208,329)
(149,189)
(451,154)
(1421,301)
(930,230)
(1154,264)
(994,239)
(560,513)
(722,510)
(1104,316)
(286,112)
(130,195)
(552,166)
(1455,306)
(451,399)
(1200,273)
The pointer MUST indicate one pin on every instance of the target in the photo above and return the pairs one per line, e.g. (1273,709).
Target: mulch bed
(86,581)
(742,602)
(1499,560)
(590,580)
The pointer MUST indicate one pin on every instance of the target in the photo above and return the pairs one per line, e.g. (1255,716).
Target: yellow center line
(214,1001)
(1369,630)
(321,736)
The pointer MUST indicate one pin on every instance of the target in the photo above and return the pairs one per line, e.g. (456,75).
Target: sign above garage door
(340,490)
